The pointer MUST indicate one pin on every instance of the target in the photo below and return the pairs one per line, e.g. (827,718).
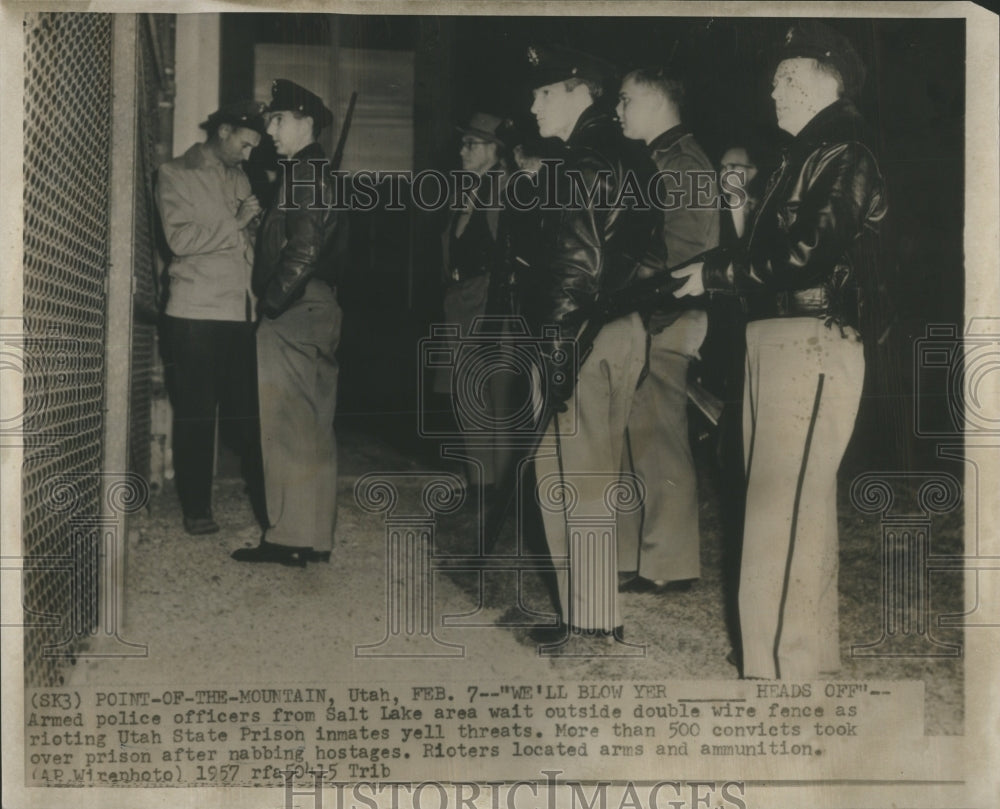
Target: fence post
(118,346)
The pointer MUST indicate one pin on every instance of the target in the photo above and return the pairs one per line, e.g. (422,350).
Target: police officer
(661,542)
(805,362)
(585,255)
(295,276)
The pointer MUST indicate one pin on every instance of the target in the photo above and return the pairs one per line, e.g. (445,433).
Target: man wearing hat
(209,215)
(806,280)
(294,278)
(473,267)
(587,253)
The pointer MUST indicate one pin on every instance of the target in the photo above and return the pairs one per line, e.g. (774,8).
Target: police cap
(553,63)
(288,96)
(811,39)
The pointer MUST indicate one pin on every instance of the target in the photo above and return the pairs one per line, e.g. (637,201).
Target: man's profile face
(557,109)
(800,90)
(638,110)
(290,134)
(236,143)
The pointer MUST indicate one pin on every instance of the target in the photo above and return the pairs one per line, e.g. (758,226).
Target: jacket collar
(309,152)
(665,140)
(591,120)
(840,122)
(199,156)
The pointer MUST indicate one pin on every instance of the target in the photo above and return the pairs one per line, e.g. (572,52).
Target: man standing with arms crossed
(208,213)
(661,542)
(584,255)
(295,277)
(805,297)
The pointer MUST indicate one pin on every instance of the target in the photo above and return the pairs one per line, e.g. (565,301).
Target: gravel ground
(211,621)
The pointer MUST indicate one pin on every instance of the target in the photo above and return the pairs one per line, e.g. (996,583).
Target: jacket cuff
(718,272)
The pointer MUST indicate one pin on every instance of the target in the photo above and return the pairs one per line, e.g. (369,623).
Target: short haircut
(670,87)
(828,68)
(595,88)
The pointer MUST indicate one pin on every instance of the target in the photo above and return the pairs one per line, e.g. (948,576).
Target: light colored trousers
(661,540)
(297,382)
(583,455)
(801,397)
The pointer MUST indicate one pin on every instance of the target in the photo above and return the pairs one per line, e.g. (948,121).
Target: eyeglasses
(468,143)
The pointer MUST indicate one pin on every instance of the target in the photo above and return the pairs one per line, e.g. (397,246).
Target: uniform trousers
(661,540)
(801,397)
(297,380)
(212,369)
(581,454)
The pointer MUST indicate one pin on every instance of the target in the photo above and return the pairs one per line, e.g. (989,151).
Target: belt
(814,302)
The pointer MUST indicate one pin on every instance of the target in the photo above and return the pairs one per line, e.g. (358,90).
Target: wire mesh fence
(68,156)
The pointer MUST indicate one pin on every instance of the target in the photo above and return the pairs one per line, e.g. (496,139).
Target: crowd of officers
(609,393)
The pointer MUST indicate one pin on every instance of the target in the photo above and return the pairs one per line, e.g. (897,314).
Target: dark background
(914,98)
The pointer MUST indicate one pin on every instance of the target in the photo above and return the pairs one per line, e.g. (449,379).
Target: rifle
(338,153)
(658,291)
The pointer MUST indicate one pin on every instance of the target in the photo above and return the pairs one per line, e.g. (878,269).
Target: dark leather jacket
(826,195)
(299,237)
(592,249)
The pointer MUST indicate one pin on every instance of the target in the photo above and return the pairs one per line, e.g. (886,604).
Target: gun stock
(710,405)
(338,153)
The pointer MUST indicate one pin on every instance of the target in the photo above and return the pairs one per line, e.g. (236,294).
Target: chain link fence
(68,155)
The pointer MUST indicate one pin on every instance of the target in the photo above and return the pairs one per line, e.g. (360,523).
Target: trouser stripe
(642,507)
(795,522)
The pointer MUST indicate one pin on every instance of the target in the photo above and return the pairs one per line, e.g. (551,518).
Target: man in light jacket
(209,215)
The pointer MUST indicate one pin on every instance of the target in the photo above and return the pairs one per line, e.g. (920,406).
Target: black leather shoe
(547,635)
(317,556)
(198,526)
(276,554)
